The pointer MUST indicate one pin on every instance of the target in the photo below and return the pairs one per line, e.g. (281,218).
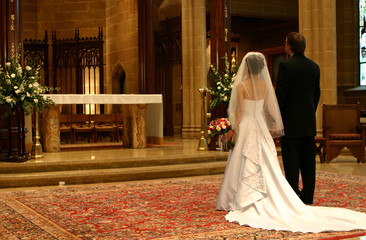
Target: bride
(254,190)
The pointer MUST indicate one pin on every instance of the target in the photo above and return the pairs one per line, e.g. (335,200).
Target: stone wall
(276,9)
(347,54)
(119,20)
(66,15)
(122,41)
(29,20)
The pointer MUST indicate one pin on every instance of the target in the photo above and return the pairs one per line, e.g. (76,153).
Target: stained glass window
(362,9)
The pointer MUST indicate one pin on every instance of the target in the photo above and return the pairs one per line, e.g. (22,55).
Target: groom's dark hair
(296,41)
(255,64)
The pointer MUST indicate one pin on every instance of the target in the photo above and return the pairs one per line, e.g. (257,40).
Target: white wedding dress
(258,195)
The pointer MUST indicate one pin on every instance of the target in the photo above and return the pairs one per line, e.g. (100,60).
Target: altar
(142,117)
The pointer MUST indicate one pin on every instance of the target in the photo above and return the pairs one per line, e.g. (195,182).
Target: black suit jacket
(298,93)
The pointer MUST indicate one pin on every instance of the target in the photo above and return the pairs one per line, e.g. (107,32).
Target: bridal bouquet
(221,126)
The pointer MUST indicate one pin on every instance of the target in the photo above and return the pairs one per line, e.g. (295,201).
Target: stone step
(105,163)
(54,178)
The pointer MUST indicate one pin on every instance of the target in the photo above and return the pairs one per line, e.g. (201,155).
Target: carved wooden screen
(37,50)
(78,67)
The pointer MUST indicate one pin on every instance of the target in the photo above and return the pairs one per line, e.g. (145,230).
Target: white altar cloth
(154,114)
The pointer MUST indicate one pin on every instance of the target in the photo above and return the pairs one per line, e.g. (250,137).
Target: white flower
(15,87)
(17,91)
(223,126)
(12,75)
(218,128)
(30,86)
(22,98)
(218,87)
(36,84)
(225,98)
(45,98)
(226,75)
(9,100)
(8,81)
(28,68)
(35,100)
(8,64)
(28,95)
(209,132)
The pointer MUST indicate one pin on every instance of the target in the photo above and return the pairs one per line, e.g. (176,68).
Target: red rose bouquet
(221,126)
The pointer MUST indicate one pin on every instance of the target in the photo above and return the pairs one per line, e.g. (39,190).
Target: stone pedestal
(134,125)
(51,129)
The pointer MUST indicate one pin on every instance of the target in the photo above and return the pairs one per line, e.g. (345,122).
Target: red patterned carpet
(166,209)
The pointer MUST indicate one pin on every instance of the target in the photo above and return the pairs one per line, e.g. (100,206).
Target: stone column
(193,64)
(317,22)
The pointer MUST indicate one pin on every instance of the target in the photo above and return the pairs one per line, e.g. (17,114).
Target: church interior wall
(255,34)
(117,18)
(122,40)
(347,49)
(272,9)
(261,24)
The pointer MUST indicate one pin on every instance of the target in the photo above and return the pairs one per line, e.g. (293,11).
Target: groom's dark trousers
(299,153)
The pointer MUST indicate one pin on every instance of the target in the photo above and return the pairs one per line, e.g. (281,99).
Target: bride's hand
(229,135)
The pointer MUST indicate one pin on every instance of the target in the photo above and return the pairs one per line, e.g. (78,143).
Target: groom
(298,94)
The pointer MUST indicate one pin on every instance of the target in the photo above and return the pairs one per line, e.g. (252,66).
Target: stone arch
(118,83)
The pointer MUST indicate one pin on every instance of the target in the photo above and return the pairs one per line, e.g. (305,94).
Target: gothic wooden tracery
(37,50)
(78,66)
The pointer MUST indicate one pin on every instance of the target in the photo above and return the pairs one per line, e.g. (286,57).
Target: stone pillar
(121,42)
(193,64)
(317,22)
(146,46)
(220,29)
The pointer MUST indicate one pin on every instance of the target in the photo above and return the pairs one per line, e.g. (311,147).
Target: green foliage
(221,84)
(19,86)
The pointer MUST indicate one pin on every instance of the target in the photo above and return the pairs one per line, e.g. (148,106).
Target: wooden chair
(341,128)
(104,124)
(119,126)
(66,127)
(81,124)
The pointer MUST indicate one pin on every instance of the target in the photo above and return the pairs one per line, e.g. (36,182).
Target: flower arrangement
(19,87)
(221,84)
(220,126)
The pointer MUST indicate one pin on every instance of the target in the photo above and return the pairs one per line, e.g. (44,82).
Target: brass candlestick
(37,151)
(202,145)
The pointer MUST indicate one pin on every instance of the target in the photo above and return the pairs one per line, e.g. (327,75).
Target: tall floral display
(220,91)
(20,94)
(221,84)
